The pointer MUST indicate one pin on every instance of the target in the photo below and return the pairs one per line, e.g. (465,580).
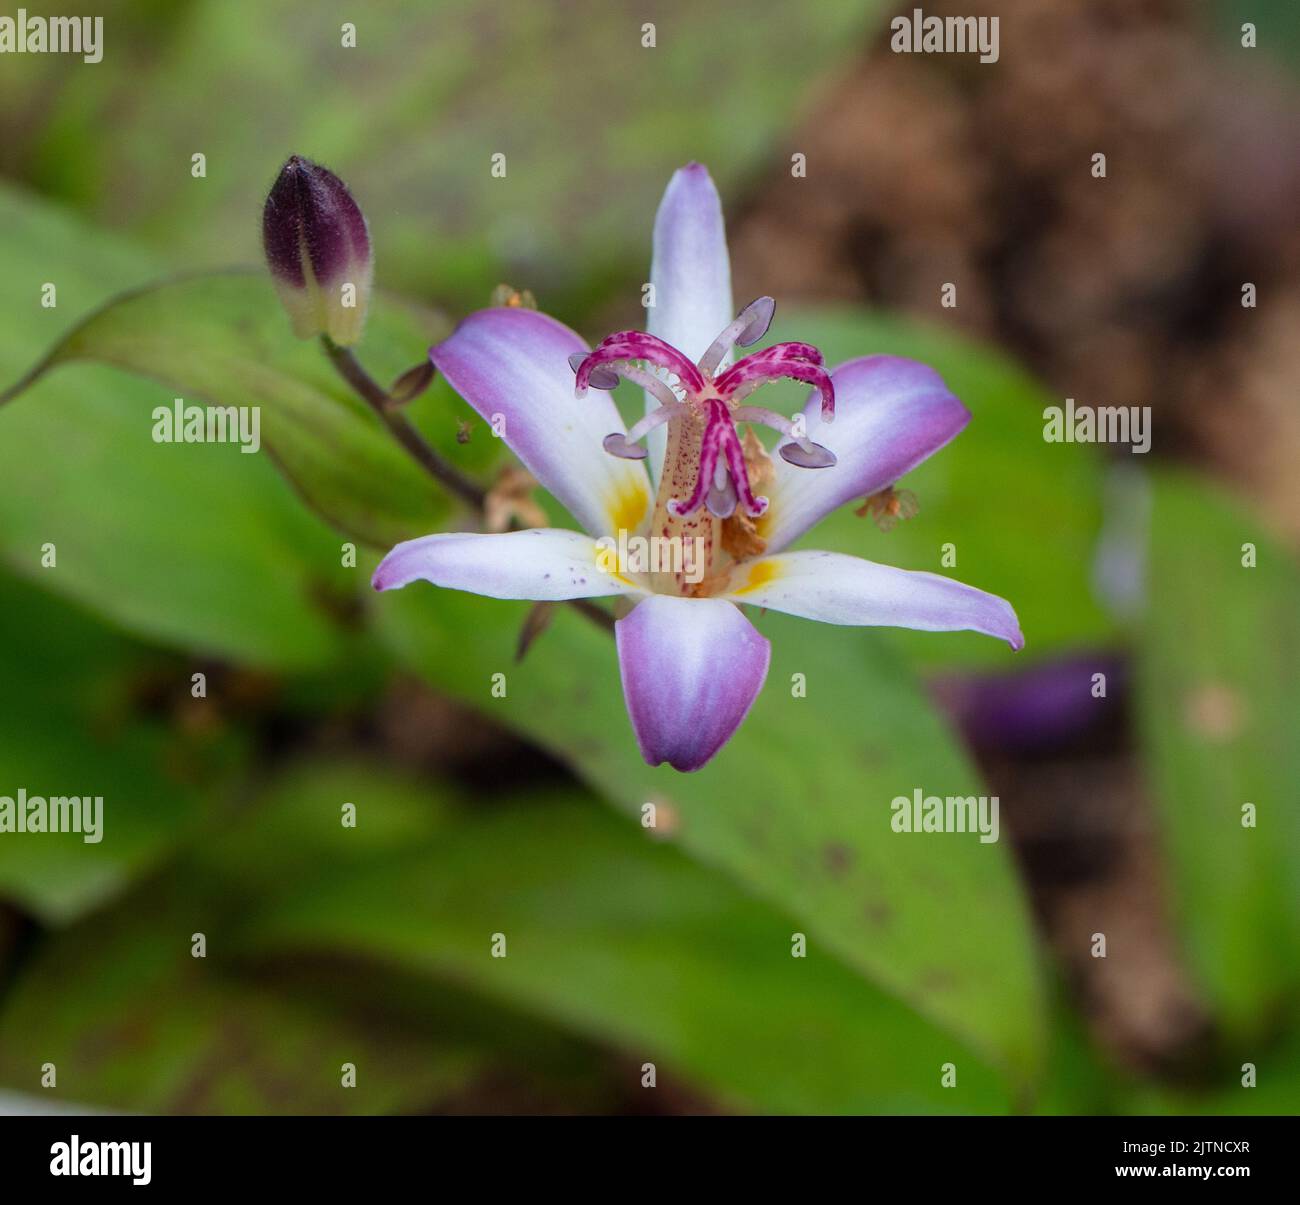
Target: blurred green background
(521,815)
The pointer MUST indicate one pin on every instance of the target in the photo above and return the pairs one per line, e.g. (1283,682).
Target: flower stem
(595,612)
(370,391)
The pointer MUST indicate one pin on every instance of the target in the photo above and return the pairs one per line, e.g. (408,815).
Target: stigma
(713,400)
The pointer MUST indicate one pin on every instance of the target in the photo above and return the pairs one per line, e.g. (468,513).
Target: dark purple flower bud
(318,251)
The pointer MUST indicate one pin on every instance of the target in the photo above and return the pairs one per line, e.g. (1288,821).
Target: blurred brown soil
(926,169)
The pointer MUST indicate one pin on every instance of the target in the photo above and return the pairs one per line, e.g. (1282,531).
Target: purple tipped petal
(691,270)
(814,456)
(692,668)
(543,563)
(691,274)
(890,415)
(832,588)
(512,366)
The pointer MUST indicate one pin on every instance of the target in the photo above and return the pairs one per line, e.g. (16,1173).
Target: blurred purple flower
(1041,709)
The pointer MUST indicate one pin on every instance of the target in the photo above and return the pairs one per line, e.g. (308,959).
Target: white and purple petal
(833,588)
(691,274)
(692,668)
(512,366)
(541,563)
(890,414)
(691,269)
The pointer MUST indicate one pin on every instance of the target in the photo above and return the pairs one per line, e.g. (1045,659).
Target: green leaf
(591,123)
(1023,515)
(194,545)
(610,933)
(371,944)
(167,1032)
(1218,699)
(67,728)
(223,339)
(1275,1090)
(796,809)
(620,938)
(1277,31)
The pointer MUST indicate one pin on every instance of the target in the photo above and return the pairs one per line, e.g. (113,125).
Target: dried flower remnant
(505,296)
(889,507)
(510,501)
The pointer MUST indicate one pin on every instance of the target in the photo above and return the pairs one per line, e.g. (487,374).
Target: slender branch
(374,395)
(370,391)
(595,612)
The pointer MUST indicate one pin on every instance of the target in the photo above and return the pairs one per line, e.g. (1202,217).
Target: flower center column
(691,539)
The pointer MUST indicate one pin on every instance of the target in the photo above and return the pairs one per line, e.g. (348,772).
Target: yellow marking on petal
(760,573)
(607,562)
(627,508)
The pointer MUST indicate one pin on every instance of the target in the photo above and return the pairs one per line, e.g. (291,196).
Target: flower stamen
(720,481)
(619,350)
(606,377)
(628,446)
(801,361)
(800,451)
(719,440)
(748,327)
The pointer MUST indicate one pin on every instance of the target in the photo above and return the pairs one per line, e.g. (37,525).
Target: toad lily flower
(692,663)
